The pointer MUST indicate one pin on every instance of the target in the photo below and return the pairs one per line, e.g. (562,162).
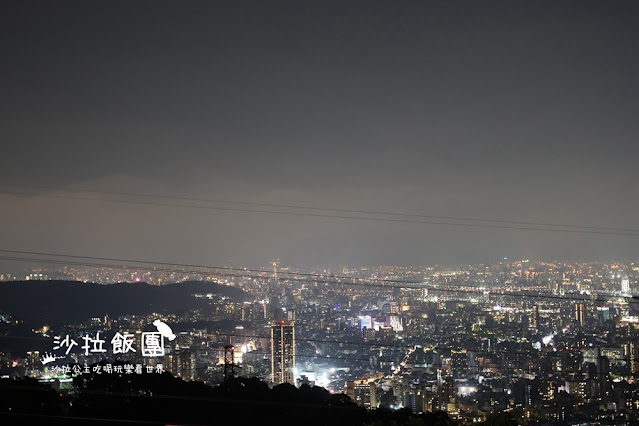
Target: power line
(286,279)
(294,206)
(434,287)
(395,284)
(187,272)
(316,278)
(334,216)
(190,265)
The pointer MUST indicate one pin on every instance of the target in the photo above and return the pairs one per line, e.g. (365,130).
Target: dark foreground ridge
(74,301)
(160,399)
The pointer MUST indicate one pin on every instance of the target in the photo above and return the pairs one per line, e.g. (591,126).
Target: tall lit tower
(580,314)
(282,352)
(625,285)
(276,283)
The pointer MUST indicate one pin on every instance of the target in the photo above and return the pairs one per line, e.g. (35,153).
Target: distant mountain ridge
(72,301)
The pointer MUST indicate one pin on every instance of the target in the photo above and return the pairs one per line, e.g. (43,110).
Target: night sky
(504,110)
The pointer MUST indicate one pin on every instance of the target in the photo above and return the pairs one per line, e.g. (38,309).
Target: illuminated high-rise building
(246,313)
(33,358)
(625,285)
(181,363)
(603,313)
(282,352)
(535,318)
(238,339)
(363,393)
(631,353)
(291,314)
(580,315)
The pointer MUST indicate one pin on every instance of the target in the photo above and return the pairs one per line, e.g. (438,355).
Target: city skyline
(352,213)
(541,341)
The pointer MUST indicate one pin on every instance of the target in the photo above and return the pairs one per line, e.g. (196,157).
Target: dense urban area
(547,342)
